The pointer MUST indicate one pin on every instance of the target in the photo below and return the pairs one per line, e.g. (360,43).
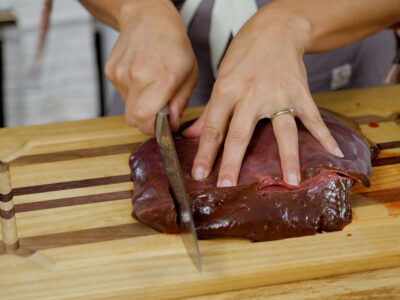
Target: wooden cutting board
(72,192)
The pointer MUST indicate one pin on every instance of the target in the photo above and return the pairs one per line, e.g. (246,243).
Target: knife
(172,168)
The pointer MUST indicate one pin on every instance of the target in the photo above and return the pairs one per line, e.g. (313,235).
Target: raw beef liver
(262,207)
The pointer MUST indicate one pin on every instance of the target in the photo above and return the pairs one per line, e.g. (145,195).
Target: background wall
(66,84)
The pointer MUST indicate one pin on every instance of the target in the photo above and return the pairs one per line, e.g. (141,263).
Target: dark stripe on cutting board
(71,184)
(119,179)
(63,202)
(389,145)
(390,195)
(386,161)
(74,154)
(104,197)
(108,150)
(85,236)
(376,119)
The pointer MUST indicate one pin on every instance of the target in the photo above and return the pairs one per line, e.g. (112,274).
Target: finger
(119,68)
(121,80)
(213,132)
(120,86)
(311,119)
(180,99)
(130,107)
(110,67)
(239,134)
(141,108)
(194,130)
(110,64)
(285,131)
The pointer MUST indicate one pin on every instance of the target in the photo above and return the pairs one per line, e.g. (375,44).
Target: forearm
(107,11)
(326,25)
(116,12)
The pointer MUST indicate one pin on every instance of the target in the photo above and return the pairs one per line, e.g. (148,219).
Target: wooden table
(72,200)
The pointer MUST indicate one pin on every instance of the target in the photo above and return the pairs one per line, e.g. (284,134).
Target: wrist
(131,10)
(293,29)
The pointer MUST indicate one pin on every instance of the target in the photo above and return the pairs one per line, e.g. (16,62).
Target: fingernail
(338,152)
(226,183)
(292,179)
(199,173)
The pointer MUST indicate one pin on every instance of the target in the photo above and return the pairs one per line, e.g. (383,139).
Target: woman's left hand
(262,71)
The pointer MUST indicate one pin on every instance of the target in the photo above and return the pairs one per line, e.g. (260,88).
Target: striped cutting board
(72,194)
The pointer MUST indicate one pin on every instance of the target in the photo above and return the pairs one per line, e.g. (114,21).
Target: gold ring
(282,111)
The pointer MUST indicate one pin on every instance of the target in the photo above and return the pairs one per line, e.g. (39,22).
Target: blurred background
(67,83)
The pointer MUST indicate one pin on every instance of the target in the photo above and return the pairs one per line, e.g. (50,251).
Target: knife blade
(172,168)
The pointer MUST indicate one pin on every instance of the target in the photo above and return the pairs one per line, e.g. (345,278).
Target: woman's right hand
(152,63)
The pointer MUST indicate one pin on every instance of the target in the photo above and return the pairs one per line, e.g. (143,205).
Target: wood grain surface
(72,195)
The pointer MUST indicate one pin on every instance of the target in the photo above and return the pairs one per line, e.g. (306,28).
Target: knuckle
(211,133)
(223,87)
(258,86)
(126,9)
(136,74)
(120,73)
(141,113)
(237,137)
(203,159)
(228,169)
(172,79)
(108,70)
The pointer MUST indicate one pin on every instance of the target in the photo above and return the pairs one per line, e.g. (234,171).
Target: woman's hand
(261,72)
(152,63)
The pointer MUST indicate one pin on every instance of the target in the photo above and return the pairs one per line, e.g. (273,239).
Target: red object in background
(373,125)
(349,234)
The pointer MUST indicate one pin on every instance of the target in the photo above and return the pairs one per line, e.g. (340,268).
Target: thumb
(179,101)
